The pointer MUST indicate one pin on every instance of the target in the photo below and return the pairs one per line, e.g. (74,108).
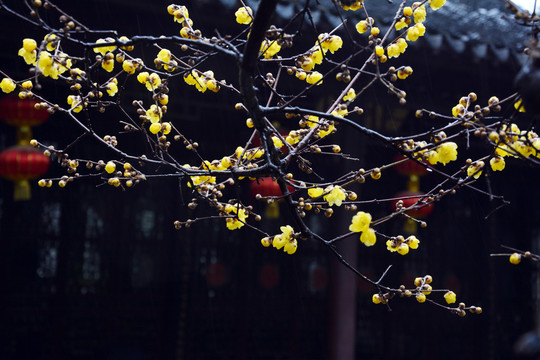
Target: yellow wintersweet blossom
(203,81)
(164,55)
(154,113)
(397,48)
(368,237)
(350,96)
(110,167)
(415,32)
(52,42)
(436,4)
(244,15)
(360,222)
(450,297)
(112,87)
(404,72)
(285,240)
(47,66)
(150,80)
(154,128)
(401,24)
(314,77)
(7,85)
(286,232)
(330,43)
(129,67)
(458,110)
(237,222)
(475,170)
(76,103)
(108,65)
(447,152)
(362,26)
(28,52)
(518,105)
(290,246)
(104,49)
(419,14)
(334,195)
(354,6)
(315,192)
(497,163)
(393,50)
(269,48)
(277,142)
(128,47)
(413,242)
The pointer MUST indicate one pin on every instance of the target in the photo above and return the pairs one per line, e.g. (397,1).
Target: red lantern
(409,167)
(216,274)
(16,112)
(269,276)
(414,171)
(409,198)
(318,278)
(265,186)
(20,164)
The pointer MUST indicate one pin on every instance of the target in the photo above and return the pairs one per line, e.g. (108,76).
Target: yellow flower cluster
(130,66)
(423,287)
(202,81)
(164,58)
(180,14)
(325,128)
(514,142)
(358,4)
(401,245)
(404,72)
(244,15)
(152,81)
(269,48)
(238,221)
(285,240)
(104,49)
(315,56)
(397,48)
(475,169)
(112,86)
(350,96)
(76,103)
(360,223)
(364,25)
(443,153)
(29,51)
(53,66)
(334,194)
(7,85)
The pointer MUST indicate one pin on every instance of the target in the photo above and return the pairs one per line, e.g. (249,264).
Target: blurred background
(93,272)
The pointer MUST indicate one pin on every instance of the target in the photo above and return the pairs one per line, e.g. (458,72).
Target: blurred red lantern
(414,170)
(20,164)
(216,274)
(318,278)
(410,198)
(265,186)
(17,112)
(409,167)
(269,276)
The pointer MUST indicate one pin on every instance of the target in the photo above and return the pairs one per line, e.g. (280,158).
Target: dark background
(92,272)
